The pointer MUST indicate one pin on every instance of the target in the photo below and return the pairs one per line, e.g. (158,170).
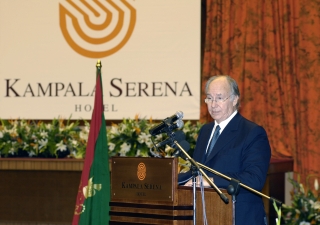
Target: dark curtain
(272,49)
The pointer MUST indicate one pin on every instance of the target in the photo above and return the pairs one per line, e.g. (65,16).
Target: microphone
(166,124)
(177,125)
(178,136)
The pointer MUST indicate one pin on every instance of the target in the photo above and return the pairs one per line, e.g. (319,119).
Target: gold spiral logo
(141,171)
(96,29)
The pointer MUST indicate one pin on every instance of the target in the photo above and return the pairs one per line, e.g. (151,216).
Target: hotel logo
(141,171)
(97,29)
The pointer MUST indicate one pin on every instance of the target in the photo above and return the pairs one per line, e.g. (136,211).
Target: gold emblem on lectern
(141,171)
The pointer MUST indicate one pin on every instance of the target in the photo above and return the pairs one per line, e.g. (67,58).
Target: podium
(146,191)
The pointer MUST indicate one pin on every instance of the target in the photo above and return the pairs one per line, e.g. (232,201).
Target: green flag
(92,204)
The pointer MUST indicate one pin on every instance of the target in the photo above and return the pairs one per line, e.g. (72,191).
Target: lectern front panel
(135,178)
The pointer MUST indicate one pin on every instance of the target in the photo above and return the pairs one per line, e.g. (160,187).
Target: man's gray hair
(232,83)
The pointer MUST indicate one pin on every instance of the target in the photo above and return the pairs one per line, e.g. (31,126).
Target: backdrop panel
(150,54)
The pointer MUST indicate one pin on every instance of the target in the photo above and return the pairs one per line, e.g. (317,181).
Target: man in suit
(241,150)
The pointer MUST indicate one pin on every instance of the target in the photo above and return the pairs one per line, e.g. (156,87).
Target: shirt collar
(224,123)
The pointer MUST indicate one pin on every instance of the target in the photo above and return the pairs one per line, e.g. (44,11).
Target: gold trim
(41,164)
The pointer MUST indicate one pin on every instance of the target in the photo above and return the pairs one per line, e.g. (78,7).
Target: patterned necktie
(213,140)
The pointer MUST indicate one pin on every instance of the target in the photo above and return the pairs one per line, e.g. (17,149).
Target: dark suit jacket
(242,151)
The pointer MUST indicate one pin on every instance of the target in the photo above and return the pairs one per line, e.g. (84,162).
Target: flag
(92,203)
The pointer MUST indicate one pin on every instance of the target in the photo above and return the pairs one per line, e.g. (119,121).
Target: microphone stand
(241,184)
(194,187)
(197,167)
(233,188)
(196,164)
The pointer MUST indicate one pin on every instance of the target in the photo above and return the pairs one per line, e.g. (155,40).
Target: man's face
(219,89)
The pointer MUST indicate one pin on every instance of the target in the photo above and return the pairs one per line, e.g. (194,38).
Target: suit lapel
(204,142)
(227,135)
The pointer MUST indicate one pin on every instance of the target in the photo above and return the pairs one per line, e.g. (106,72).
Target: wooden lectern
(146,191)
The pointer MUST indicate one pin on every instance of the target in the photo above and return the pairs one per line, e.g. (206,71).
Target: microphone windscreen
(179,115)
(186,146)
(179,124)
(179,135)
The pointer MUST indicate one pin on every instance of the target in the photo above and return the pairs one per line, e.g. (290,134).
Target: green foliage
(131,138)
(59,139)
(305,208)
(36,139)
